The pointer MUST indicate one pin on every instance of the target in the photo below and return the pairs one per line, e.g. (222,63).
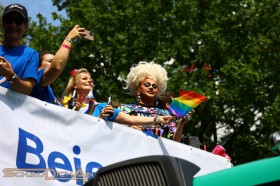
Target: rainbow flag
(187,101)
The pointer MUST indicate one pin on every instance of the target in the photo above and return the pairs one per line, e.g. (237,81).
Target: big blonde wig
(142,71)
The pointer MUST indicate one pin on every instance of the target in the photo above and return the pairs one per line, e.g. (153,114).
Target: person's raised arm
(60,59)
(179,131)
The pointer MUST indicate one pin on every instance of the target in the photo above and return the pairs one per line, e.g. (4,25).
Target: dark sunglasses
(17,20)
(147,84)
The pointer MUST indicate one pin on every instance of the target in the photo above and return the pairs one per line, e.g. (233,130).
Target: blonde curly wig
(143,70)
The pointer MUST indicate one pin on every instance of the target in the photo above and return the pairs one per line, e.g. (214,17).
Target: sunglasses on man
(19,20)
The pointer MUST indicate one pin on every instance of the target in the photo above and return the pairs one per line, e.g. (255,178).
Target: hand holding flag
(187,101)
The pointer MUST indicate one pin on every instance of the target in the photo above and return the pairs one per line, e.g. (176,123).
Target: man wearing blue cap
(18,63)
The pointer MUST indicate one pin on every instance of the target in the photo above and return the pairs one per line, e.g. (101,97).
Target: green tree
(1,12)
(226,50)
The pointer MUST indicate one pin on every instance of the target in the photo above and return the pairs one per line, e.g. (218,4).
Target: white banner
(44,144)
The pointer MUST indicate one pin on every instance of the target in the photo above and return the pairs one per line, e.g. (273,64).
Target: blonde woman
(75,96)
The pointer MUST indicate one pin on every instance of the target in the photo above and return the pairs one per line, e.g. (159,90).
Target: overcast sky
(44,7)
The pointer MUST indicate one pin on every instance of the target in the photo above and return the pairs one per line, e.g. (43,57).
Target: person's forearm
(61,56)
(134,120)
(23,86)
(140,120)
(178,133)
(58,63)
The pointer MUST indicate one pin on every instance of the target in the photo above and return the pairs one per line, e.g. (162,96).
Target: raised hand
(79,102)
(106,112)
(164,119)
(5,68)
(187,117)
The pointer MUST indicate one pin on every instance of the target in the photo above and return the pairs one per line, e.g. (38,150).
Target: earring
(156,102)
(138,97)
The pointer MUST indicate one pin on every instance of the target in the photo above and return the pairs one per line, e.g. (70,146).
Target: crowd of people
(24,71)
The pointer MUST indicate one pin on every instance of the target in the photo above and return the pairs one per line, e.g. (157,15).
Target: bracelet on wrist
(70,40)
(13,79)
(66,46)
(155,119)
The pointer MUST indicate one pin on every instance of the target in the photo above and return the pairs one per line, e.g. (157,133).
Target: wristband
(70,40)
(66,46)
(13,79)
(155,119)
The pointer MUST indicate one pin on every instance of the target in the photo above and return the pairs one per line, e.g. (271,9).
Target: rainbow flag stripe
(91,107)
(185,103)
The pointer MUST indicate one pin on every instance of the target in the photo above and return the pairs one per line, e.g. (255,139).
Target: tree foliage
(226,50)
(1,12)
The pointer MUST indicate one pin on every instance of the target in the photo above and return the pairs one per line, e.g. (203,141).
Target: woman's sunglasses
(147,84)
